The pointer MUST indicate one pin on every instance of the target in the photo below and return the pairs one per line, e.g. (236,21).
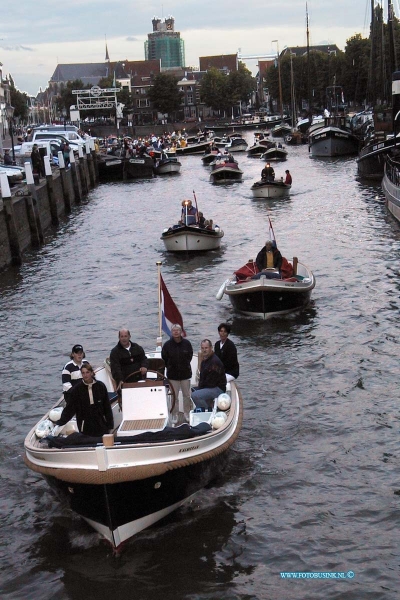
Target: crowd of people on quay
(88,400)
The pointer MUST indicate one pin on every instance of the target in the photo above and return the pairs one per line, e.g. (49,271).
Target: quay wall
(34,210)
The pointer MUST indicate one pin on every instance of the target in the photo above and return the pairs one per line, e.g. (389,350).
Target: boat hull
(371,159)
(332,141)
(265,298)
(119,511)
(168,168)
(276,189)
(192,239)
(135,168)
(391,189)
(225,174)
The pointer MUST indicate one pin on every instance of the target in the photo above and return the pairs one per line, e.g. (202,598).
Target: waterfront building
(165,43)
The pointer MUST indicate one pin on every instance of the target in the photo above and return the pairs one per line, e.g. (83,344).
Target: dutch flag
(169,311)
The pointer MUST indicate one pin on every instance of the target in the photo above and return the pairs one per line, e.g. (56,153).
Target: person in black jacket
(226,351)
(89,401)
(126,358)
(177,353)
(269,257)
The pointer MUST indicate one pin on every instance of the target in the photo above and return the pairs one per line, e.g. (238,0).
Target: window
(143,103)
(190,98)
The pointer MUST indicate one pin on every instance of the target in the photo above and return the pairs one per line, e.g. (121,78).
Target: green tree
(19,100)
(66,98)
(214,90)
(240,85)
(164,94)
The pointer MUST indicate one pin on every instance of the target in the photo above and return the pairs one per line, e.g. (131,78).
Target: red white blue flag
(169,311)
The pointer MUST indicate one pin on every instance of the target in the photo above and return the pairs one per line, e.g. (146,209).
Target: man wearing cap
(71,374)
(126,358)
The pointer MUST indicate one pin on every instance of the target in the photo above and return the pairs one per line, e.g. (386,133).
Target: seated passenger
(202,220)
(212,380)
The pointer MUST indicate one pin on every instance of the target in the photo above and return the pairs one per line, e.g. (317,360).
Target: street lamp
(279,76)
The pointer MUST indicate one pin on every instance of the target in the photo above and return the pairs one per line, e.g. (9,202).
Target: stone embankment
(29,211)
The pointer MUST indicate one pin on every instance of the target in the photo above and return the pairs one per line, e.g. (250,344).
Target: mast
(308,60)
(371,74)
(392,54)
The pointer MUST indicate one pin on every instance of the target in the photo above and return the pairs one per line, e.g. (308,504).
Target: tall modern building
(165,44)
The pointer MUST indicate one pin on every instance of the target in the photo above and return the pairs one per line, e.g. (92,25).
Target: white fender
(221,290)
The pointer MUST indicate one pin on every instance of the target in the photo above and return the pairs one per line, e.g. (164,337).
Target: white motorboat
(147,468)
(192,238)
(192,234)
(270,189)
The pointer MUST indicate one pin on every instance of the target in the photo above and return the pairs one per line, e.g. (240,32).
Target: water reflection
(208,538)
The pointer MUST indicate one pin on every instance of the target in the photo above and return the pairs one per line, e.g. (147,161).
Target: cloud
(132,39)
(17,49)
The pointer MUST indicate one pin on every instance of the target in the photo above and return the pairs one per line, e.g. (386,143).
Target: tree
(240,85)
(214,88)
(164,94)
(66,98)
(19,100)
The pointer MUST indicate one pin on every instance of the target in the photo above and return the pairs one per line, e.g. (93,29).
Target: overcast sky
(36,36)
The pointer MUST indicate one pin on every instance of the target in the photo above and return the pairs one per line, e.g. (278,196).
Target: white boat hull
(192,239)
(270,190)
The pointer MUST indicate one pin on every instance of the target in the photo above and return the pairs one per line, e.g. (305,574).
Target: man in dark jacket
(177,353)
(226,351)
(89,401)
(212,381)
(126,358)
(269,257)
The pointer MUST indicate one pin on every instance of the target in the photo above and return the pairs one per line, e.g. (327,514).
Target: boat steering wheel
(170,392)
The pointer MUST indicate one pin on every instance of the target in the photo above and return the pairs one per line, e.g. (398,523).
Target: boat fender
(55,413)
(221,290)
(44,428)
(223,401)
(218,420)
(288,138)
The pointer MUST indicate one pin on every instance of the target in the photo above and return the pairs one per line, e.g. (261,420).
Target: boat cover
(168,434)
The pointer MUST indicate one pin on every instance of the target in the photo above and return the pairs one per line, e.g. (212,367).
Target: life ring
(288,138)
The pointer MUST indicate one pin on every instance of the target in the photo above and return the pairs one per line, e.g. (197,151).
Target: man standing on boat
(126,358)
(212,381)
(177,353)
(268,173)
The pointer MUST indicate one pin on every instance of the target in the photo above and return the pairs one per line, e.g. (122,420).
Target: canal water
(313,482)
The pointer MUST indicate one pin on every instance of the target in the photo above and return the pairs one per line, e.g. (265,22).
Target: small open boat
(259,147)
(275,153)
(167,166)
(225,172)
(265,297)
(236,144)
(189,235)
(270,189)
(127,481)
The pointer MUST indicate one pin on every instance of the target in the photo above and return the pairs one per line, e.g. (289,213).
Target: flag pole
(197,208)
(159,339)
